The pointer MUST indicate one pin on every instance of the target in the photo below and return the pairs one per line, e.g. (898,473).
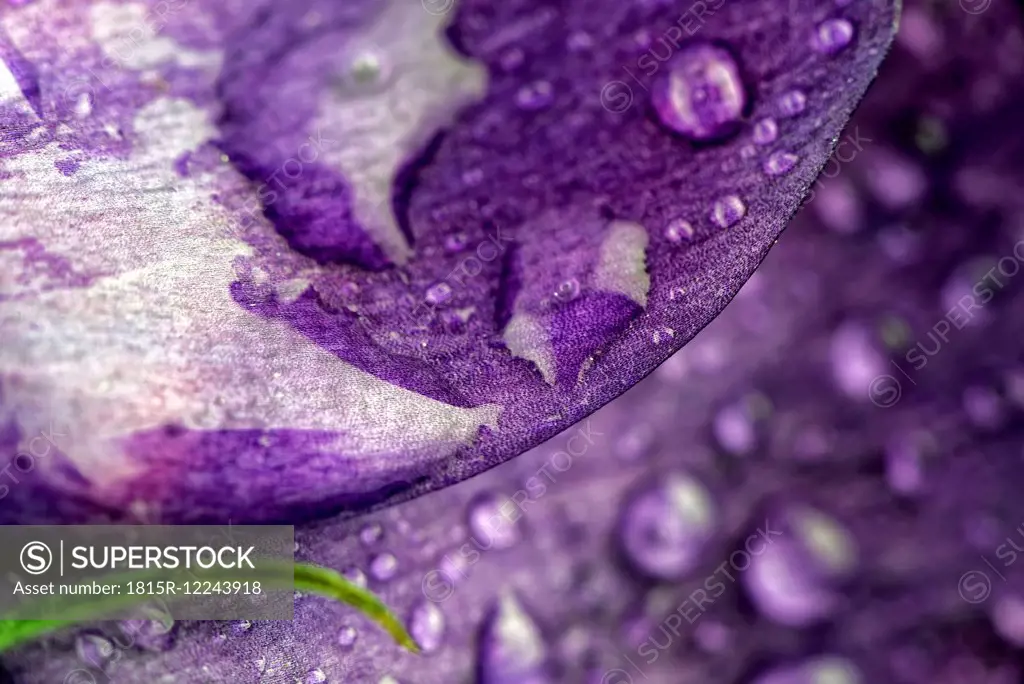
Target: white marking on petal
(157,338)
(10,91)
(127,34)
(622,264)
(383,129)
(527,339)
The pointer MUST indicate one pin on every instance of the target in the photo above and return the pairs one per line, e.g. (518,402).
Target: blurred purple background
(824,487)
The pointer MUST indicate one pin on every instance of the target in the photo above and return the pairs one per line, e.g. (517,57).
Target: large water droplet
(493,522)
(766,131)
(728,211)
(820,670)
(780,163)
(1007,614)
(94,650)
(426,625)
(383,567)
(832,35)
(792,103)
(701,94)
(794,564)
(663,529)
(511,648)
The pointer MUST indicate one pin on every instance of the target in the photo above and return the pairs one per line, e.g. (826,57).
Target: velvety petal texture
(270,260)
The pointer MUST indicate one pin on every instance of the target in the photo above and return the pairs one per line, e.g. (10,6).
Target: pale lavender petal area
(272,260)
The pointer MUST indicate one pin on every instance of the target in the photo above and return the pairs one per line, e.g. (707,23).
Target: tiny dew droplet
(567,290)
(371,534)
(728,211)
(678,231)
(780,163)
(438,294)
(792,102)
(536,95)
(347,636)
(832,35)
(766,131)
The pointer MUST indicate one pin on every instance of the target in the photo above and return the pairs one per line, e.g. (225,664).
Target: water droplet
(905,462)
(766,131)
(153,631)
(567,290)
(383,567)
(820,670)
(536,95)
(472,178)
(635,443)
(984,407)
(511,59)
(713,637)
(365,72)
(856,359)
(734,429)
(664,528)
(426,625)
(728,211)
(438,294)
(371,534)
(492,520)
(347,636)
(457,242)
(793,574)
(792,103)
(1007,614)
(832,35)
(511,648)
(94,650)
(316,676)
(355,575)
(580,41)
(780,163)
(678,231)
(241,626)
(701,94)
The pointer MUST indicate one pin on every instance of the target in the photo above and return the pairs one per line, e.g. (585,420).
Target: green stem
(15,631)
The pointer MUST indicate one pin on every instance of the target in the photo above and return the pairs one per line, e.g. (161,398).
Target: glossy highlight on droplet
(728,211)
